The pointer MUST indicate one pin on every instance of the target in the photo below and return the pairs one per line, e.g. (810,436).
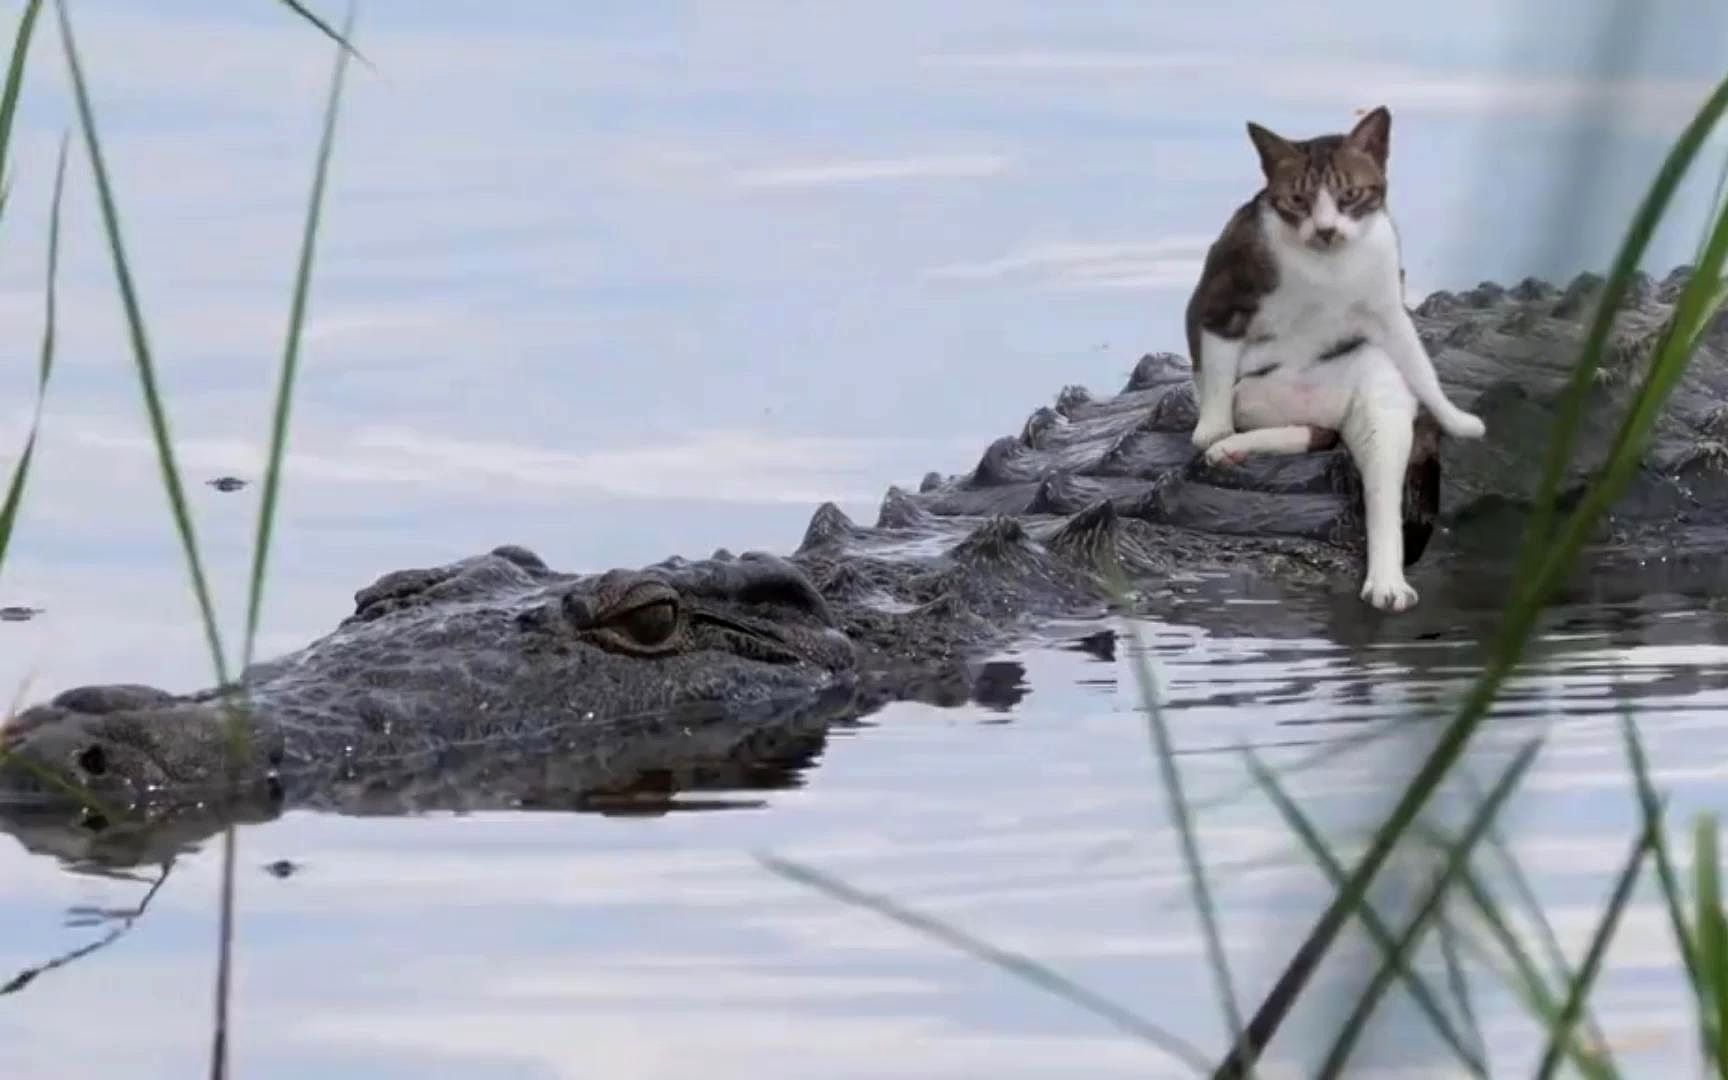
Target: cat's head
(1326,190)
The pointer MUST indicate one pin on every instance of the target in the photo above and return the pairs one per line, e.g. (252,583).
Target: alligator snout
(122,746)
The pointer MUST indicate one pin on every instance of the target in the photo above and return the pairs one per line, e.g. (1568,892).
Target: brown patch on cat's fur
(1237,274)
(1421,487)
(1320,438)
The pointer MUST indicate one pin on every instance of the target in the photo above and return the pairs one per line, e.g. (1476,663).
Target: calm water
(616,281)
(564,944)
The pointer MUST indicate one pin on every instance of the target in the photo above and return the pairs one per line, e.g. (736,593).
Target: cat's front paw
(1462,425)
(1389,592)
(1226,451)
(1209,432)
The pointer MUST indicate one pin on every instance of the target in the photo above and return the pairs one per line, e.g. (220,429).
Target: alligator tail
(1421,487)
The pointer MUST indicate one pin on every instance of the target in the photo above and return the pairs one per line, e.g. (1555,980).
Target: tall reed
(160,428)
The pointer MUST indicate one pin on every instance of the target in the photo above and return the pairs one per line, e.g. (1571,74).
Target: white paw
(1462,425)
(1207,432)
(1389,593)
(1226,451)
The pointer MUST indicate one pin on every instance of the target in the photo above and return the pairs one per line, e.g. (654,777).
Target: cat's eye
(1349,195)
(1297,203)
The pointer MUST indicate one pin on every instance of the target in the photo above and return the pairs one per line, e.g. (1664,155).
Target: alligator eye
(94,760)
(651,624)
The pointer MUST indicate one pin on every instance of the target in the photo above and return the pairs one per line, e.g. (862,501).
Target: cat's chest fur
(1322,298)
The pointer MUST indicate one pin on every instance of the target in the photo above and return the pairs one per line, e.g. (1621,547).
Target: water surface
(645,939)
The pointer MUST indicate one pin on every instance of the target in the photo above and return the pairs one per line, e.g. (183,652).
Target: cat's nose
(1325,234)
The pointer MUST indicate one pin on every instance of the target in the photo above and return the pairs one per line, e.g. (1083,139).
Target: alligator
(496,678)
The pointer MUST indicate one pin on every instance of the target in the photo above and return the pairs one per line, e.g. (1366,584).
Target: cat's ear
(1272,147)
(1373,135)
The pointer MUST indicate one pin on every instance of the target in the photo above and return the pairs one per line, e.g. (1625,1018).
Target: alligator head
(496,647)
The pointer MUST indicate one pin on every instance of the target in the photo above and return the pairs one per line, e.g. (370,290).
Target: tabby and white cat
(1299,334)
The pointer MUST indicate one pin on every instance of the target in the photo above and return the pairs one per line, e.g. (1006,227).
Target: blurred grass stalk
(45,367)
(156,412)
(17,483)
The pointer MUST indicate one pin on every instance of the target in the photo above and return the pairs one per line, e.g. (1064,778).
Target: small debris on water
(282,868)
(227,483)
(18,613)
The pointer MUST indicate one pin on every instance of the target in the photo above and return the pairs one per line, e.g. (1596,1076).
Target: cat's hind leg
(1378,430)
(1404,347)
(1287,439)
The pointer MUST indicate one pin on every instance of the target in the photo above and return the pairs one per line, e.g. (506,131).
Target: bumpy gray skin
(429,694)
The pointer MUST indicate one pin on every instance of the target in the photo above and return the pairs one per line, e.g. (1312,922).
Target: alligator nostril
(94,760)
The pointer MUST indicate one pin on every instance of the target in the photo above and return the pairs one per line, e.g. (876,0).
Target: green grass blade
(1459,983)
(45,365)
(1525,979)
(51,289)
(1021,967)
(1182,817)
(1522,612)
(1561,1030)
(1673,898)
(224,959)
(1626,262)
(341,39)
(1526,984)
(1305,831)
(1532,905)
(15,80)
(1718,201)
(1321,756)
(1697,303)
(1457,859)
(291,356)
(21,471)
(266,521)
(1712,933)
(1712,304)
(141,349)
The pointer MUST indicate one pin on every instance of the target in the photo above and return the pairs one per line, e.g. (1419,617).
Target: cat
(1300,337)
